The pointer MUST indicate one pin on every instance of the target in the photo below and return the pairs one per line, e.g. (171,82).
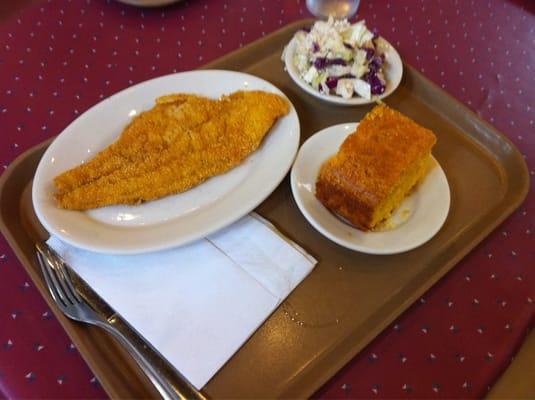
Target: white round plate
(393,73)
(415,221)
(173,220)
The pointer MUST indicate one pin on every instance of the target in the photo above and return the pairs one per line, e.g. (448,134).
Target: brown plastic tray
(350,297)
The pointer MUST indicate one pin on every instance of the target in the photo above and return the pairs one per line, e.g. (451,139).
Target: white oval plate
(416,220)
(173,220)
(393,73)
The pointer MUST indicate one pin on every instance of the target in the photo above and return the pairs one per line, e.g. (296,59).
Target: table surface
(60,57)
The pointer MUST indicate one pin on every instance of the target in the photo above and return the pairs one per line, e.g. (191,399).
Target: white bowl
(393,72)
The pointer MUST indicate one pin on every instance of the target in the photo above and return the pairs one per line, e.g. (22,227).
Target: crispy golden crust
(371,163)
(179,143)
(148,134)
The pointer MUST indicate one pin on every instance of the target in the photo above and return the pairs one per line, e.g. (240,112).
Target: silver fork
(59,279)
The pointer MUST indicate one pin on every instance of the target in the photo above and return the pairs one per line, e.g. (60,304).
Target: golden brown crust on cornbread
(372,163)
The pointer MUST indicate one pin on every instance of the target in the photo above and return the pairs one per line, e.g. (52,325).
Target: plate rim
(224,221)
(345,243)
(289,50)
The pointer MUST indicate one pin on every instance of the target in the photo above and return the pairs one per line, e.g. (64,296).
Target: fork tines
(57,277)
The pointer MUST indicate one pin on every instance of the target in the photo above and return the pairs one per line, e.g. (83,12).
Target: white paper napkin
(198,304)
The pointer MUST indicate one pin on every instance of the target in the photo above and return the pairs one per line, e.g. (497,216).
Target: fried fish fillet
(179,143)
(145,135)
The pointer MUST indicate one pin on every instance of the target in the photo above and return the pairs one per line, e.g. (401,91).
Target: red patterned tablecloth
(58,58)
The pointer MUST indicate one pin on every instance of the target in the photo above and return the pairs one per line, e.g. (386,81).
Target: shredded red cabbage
(376,84)
(369,52)
(332,81)
(324,62)
(375,64)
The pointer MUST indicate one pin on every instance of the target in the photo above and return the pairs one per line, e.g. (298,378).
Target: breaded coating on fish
(147,134)
(179,143)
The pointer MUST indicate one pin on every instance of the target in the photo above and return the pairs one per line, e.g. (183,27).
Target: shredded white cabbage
(333,57)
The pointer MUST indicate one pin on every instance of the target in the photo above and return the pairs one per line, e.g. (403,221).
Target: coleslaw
(336,57)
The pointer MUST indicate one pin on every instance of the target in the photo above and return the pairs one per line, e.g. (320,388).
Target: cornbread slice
(375,167)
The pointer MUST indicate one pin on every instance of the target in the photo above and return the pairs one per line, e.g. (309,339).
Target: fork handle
(150,361)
